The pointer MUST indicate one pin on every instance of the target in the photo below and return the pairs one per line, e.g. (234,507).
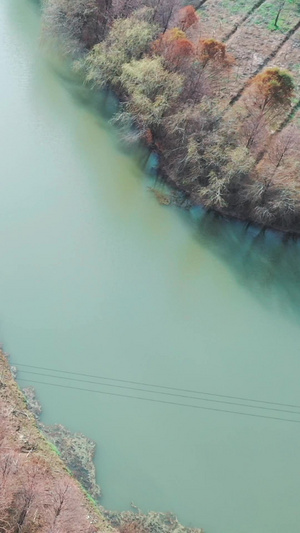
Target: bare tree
(263,105)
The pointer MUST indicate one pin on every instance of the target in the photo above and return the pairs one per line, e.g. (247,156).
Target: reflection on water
(96,277)
(266,262)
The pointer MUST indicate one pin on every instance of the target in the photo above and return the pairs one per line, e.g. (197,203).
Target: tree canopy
(151,87)
(127,39)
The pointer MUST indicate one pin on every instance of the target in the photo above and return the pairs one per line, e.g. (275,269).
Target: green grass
(90,498)
(234,7)
(238,6)
(54,448)
(267,13)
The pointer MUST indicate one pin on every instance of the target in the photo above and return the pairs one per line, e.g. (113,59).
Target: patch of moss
(53,448)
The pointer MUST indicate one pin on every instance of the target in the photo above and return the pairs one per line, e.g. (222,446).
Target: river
(97,278)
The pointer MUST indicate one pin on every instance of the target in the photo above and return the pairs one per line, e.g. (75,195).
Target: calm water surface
(97,278)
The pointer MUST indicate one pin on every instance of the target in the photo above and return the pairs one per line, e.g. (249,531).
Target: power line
(158,386)
(163,401)
(163,393)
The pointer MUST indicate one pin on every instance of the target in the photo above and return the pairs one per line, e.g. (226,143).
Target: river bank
(37,490)
(237,161)
(97,278)
(62,457)
(76,450)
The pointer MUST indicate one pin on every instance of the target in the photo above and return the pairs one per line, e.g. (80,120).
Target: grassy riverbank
(200,90)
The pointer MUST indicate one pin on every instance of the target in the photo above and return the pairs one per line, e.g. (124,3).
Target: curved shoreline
(72,453)
(222,175)
(34,479)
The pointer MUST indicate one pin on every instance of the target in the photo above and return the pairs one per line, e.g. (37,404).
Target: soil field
(258,33)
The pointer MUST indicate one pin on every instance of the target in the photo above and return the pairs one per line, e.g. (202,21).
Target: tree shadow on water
(262,261)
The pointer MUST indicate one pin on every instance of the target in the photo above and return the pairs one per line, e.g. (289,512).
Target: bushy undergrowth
(137,522)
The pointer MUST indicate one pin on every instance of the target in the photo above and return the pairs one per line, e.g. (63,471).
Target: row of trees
(170,83)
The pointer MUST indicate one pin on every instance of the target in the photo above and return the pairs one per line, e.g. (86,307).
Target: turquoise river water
(97,278)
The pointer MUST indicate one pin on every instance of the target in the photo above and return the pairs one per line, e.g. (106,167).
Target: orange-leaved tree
(187,16)
(265,102)
(275,85)
(211,50)
(209,70)
(174,47)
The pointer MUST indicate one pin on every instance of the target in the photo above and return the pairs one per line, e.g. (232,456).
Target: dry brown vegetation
(135,521)
(248,29)
(37,493)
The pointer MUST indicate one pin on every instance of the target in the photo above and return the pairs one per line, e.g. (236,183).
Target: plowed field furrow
(244,19)
(293,116)
(256,59)
(221,18)
(288,57)
(199,4)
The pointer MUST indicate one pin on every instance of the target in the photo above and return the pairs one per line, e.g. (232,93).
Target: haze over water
(97,278)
